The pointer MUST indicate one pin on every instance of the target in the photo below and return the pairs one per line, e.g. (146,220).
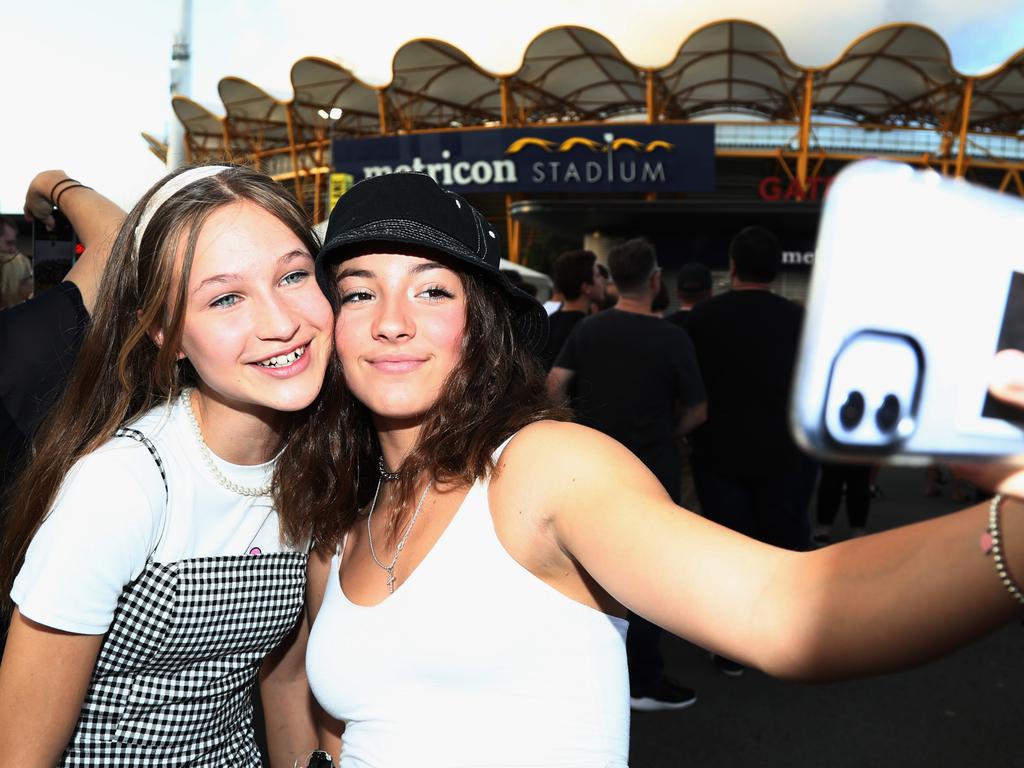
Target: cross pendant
(391,580)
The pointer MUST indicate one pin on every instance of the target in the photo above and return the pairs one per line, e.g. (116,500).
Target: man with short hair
(746,466)
(632,372)
(581,285)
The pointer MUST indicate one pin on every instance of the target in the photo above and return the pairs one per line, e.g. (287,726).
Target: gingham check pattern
(175,672)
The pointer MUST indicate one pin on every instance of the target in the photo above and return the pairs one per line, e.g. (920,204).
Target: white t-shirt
(112,514)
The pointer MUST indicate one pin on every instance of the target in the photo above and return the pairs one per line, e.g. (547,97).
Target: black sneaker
(661,693)
(727,666)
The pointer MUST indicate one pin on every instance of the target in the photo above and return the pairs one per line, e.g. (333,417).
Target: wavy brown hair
(328,471)
(120,372)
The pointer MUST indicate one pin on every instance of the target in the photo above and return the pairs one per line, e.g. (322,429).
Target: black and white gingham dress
(174,675)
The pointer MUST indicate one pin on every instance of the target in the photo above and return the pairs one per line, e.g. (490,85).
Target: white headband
(168,190)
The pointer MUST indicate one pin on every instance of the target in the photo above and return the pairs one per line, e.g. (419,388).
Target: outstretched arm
(94,218)
(866,606)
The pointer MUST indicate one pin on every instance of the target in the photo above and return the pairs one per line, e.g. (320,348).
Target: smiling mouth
(397,364)
(283,361)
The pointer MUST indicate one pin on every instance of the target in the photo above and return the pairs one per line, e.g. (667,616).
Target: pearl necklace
(207,454)
(390,569)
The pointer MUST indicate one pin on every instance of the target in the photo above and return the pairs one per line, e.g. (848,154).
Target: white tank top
(473,662)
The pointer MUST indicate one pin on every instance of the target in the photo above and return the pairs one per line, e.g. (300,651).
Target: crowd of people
(341,472)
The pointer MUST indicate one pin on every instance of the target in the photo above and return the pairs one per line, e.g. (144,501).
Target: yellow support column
(297,180)
(382,111)
(228,154)
(317,193)
(651,107)
(512,231)
(805,131)
(965,117)
(506,101)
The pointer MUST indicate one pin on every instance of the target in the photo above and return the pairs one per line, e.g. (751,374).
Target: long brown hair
(329,470)
(120,372)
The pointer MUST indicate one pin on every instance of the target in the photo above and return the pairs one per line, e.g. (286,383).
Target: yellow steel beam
(382,111)
(805,129)
(228,154)
(965,118)
(506,101)
(651,107)
(512,231)
(294,154)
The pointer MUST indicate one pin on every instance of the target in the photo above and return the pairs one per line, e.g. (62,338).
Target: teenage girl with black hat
(475,555)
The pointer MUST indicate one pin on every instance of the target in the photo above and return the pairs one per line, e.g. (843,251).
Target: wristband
(53,189)
(76,185)
(991,544)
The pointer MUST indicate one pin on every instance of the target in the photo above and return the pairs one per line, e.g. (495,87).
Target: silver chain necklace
(390,569)
(207,454)
(387,477)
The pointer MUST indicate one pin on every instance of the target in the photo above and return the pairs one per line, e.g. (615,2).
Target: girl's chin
(393,414)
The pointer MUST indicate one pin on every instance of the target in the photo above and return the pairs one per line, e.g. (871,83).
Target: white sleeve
(103,526)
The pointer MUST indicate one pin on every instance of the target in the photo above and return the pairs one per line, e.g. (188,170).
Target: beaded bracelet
(991,544)
(53,189)
(76,185)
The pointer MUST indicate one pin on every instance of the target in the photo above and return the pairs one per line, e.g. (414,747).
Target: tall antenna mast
(181,84)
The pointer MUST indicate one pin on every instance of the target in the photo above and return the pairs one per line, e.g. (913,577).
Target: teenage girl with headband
(143,553)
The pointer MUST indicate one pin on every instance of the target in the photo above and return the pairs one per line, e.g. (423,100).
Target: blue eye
(226,301)
(295,277)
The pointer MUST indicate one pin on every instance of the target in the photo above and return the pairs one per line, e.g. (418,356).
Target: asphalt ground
(964,710)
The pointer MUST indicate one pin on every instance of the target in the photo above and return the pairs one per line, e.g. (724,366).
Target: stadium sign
(606,158)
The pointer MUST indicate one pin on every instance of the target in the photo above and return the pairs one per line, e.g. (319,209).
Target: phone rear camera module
(852,411)
(887,417)
(888,414)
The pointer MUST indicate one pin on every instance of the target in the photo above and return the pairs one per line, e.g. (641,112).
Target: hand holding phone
(918,282)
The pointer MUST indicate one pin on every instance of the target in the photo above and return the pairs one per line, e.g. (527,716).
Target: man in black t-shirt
(746,467)
(632,373)
(746,464)
(581,285)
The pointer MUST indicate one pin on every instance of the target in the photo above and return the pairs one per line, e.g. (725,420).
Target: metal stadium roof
(893,91)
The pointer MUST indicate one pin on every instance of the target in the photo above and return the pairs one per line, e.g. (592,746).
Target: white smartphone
(918,280)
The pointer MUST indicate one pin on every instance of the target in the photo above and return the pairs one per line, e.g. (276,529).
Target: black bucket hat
(412,209)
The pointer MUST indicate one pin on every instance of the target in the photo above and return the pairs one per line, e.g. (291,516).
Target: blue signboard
(617,157)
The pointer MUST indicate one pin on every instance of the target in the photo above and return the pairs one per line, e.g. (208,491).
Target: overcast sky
(83,79)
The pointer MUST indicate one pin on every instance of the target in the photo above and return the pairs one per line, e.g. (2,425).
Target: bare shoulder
(553,459)
(555,446)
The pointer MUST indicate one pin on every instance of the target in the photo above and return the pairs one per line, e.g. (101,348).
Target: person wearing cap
(693,285)
(475,555)
(143,555)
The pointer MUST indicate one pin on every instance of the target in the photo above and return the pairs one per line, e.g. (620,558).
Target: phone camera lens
(852,411)
(888,414)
